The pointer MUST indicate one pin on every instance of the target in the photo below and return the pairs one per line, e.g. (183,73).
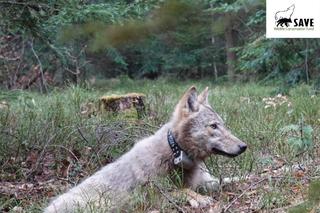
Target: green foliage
(313,194)
(299,136)
(150,38)
(265,56)
(282,59)
(313,200)
(316,85)
(272,200)
(302,208)
(117,57)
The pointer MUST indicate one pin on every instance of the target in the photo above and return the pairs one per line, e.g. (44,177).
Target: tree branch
(40,66)
(24,4)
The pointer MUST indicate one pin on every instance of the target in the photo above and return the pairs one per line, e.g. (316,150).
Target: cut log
(121,103)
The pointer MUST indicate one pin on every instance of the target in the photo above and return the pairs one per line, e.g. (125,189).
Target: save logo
(283,19)
(293,19)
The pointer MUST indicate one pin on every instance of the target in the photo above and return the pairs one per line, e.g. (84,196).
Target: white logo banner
(293,19)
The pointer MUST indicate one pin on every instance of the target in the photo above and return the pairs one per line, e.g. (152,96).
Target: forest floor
(50,142)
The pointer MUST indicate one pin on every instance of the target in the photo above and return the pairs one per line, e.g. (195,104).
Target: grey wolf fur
(198,130)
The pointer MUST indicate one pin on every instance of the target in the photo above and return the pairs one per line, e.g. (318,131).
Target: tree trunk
(231,55)
(215,71)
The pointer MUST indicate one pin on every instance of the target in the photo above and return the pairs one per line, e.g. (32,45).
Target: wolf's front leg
(200,180)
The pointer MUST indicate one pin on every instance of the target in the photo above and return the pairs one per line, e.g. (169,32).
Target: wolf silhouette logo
(284,17)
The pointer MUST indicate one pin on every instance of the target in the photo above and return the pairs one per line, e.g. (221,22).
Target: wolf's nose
(243,147)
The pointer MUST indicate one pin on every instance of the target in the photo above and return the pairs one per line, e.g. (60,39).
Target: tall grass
(53,124)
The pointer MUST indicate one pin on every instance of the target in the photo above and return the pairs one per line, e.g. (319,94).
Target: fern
(299,136)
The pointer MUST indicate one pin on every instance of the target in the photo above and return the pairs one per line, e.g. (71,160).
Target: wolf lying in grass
(194,132)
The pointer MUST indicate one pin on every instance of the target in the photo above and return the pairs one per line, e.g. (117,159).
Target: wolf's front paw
(208,187)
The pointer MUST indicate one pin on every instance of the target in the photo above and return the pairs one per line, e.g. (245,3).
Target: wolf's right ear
(187,104)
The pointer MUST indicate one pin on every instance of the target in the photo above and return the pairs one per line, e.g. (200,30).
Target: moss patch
(131,103)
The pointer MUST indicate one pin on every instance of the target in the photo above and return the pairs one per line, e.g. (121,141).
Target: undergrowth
(45,137)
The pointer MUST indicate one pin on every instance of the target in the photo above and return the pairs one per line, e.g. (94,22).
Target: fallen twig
(180,209)
(82,136)
(68,150)
(243,193)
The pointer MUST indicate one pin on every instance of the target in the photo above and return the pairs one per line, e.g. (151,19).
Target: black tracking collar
(180,157)
(173,145)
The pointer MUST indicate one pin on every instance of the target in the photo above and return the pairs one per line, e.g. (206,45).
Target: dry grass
(47,145)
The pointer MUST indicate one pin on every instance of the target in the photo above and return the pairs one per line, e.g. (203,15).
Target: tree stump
(123,103)
(4,106)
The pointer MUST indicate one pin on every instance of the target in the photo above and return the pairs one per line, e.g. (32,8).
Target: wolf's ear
(203,97)
(190,99)
(187,104)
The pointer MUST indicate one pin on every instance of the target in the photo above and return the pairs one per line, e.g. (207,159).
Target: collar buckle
(181,159)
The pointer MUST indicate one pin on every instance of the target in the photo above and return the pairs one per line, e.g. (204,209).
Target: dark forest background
(50,42)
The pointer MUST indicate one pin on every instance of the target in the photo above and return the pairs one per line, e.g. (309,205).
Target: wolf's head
(200,131)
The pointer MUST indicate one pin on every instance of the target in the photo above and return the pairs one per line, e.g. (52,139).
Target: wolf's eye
(214,126)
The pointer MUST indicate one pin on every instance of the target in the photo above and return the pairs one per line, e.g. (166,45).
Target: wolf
(285,14)
(284,21)
(194,132)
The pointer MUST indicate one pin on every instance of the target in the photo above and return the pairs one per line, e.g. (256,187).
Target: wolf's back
(87,193)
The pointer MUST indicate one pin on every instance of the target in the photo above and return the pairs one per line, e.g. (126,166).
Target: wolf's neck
(154,152)
(160,147)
